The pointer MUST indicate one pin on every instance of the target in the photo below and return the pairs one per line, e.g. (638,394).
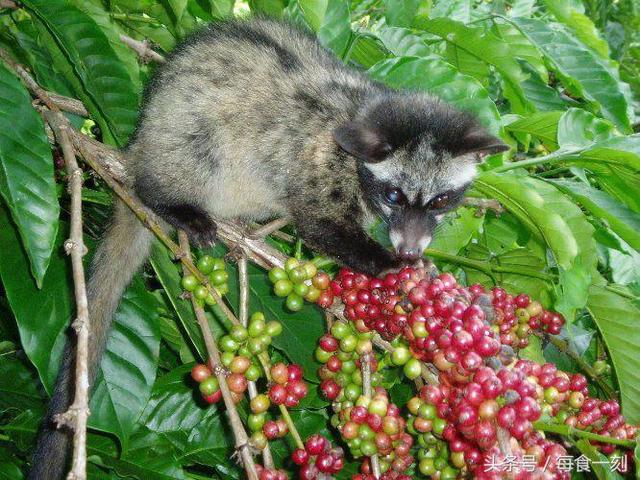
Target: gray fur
(252,120)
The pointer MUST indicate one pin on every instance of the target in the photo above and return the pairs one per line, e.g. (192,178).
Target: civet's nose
(409,254)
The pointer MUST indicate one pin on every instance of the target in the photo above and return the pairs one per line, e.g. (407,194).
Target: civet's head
(417,156)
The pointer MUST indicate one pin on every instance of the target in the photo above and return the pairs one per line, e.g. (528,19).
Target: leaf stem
(551,158)
(486,267)
(571,432)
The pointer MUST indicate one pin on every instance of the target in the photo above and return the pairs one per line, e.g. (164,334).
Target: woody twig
(78,412)
(241,438)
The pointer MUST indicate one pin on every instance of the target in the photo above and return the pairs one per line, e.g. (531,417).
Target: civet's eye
(440,202)
(394,196)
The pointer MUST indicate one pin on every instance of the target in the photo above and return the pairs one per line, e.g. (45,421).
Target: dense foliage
(559,80)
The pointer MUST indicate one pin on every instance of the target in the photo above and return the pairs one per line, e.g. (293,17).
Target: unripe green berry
(189,283)
(276,274)
(205,264)
(282,288)
(200,292)
(294,302)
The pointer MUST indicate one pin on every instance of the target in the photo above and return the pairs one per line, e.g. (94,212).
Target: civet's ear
(482,143)
(362,141)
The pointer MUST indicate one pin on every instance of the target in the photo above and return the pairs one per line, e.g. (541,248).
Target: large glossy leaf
(521,48)
(112,30)
(36,57)
(486,47)
(19,386)
(26,173)
(9,465)
(86,57)
(400,13)
(41,314)
(581,25)
(433,75)
(517,270)
(128,368)
(580,68)
(330,20)
(551,216)
(617,320)
(456,230)
(539,93)
(403,42)
(200,431)
(459,10)
(151,457)
(578,128)
(543,125)
(169,275)
(623,221)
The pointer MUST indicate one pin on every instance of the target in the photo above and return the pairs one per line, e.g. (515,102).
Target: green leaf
(517,270)
(128,368)
(581,25)
(83,52)
(151,457)
(459,10)
(18,384)
(521,47)
(170,276)
(620,219)
(456,230)
(552,217)
(523,8)
(366,50)
(177,8)
(617,319)
(200,431)
(38,59)
(403,42)
(41,314)
(330,19)
(543,125)
(400,13)
(488,48)
(599,463)
(27,184)
(442,81)
(9,465)
(579,68)
(539,93)
(273,8)
(578,128)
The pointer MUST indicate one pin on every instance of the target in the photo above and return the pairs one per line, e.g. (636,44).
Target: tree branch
(78,412)
(242,440)
(142,49)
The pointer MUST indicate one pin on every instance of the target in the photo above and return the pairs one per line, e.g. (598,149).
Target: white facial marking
(396,239)
(439,217)
(464,176)
(383,171)
(424,243)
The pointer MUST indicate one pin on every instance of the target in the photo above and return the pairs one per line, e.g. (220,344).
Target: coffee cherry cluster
(340,352)
(268,474)
(518,317)
(374,426)
(566,398)
(251,341)
(215,270)
(318,459)
(209,385)
(273,429)
(294,283)
(288,387)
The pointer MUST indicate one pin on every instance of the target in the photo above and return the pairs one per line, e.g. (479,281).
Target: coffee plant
(512,351)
